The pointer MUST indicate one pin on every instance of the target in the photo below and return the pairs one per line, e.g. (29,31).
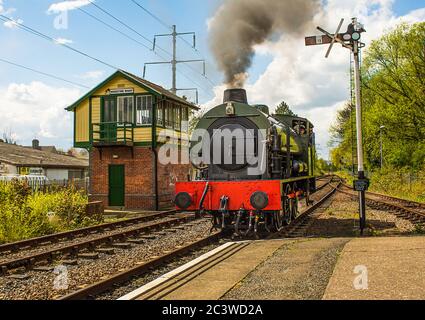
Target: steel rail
(16,246)
(163,286)
(170,282)
(297,223)
(404,212)
(49,255)
(141,268)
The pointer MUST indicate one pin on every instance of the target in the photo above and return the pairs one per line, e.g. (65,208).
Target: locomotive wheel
(295,202)
(287,206)
(307,194)
(278,220)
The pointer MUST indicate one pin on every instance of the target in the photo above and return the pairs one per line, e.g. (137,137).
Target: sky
(32,105)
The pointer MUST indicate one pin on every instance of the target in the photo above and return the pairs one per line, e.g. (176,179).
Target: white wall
(7,169)
(56,174)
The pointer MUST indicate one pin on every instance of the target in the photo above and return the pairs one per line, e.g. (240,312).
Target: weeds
(24,214)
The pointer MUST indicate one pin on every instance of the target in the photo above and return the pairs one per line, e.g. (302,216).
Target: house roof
(149,86)
(44,148)
(28,157)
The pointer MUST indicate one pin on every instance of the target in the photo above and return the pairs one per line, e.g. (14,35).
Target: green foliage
(194,119)
(393,82)
(401,183)
(283,108)
(24,214)
(323,166)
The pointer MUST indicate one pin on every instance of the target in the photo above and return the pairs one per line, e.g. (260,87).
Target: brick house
(121,123)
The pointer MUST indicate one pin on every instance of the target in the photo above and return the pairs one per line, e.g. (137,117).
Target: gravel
(40,285)
(5,256)
(297,271)
(301,269)
(136,283)
(341,219)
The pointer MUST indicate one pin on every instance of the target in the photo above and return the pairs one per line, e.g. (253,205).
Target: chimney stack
(36,144)
(235,95)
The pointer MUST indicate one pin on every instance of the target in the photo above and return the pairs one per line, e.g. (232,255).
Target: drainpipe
(155,154)
(155,169)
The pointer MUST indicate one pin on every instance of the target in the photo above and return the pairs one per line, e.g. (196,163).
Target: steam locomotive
(252,167)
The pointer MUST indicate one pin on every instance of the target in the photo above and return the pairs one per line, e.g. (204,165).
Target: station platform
(313,269)
(393,267)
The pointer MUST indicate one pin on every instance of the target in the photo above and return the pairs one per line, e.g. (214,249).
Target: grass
(25,214)
(398,183)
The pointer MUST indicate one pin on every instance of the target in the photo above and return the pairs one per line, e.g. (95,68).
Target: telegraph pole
(174,34)
(351,41)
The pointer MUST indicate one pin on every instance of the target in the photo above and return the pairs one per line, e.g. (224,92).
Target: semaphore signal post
(351,41)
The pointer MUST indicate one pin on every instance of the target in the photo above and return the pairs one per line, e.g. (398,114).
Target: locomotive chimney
(235,95)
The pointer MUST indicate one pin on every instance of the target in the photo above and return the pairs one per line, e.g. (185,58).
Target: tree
(9,137)
(194,119)
(283,108)
(393,96)
(323,166)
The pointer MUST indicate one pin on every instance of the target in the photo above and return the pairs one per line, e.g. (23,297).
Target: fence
(44,185)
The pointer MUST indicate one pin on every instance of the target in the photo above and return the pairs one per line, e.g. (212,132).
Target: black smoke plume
(239,25)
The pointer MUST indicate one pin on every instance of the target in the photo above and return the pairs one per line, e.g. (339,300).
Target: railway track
(174,279)
(324,183)
(98,243)
(300,226)
(404,209)
(143,267)
(135,234)
(70,235)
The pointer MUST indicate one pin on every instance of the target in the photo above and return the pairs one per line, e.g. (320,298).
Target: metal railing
(112,133)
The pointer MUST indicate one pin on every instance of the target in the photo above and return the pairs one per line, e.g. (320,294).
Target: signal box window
(125,109)
(169,115)
(160,114)
(185,119)
(144,110)
(177,118)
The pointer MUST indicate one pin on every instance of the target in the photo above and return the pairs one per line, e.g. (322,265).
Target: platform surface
(214,283)
(315,268)
(390,268)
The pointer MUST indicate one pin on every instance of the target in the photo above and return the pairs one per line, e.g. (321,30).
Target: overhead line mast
(174,60)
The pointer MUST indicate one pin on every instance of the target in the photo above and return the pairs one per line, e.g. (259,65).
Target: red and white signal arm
(318,40)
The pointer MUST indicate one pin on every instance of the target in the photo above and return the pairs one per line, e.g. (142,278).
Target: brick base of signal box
(139,177)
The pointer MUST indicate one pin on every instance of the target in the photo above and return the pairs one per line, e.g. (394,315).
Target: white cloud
(67,5)
(5,11)
(37,109)
(92,75)
(63,41)
(13,23)
(313,86)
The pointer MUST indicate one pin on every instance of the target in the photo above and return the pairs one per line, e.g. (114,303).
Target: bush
(402,183)
(24,214)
